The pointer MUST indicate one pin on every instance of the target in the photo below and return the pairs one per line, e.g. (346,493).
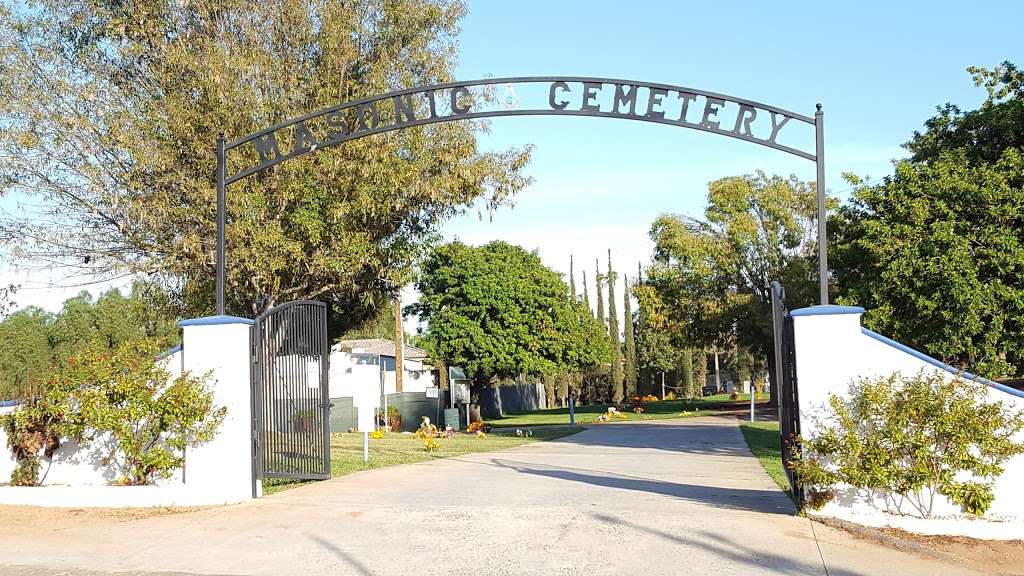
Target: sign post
(366,400)
(572,408)
(753,392)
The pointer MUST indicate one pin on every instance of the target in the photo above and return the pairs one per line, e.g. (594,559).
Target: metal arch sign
(565,96)
(551,96)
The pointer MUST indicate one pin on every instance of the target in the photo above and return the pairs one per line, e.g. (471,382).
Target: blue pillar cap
(826,310)
(215,321)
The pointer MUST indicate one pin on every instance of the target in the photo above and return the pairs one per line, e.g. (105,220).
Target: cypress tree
(700,370)
(599,381)
(613,334)
(572,279)
(686,365)
(630,365)
(586,297)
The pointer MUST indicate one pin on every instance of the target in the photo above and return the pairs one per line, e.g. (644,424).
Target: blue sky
(879,69)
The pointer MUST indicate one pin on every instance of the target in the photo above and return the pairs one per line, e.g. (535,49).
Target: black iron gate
(291,405)
(785,376)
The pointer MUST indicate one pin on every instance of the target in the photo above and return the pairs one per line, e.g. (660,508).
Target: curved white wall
(833,351)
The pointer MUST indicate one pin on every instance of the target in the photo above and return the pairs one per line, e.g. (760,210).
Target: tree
(586,297)
(657,355)
(497,311)
(37,342)
(629,354)
(714,274)
(25,357)
(983,134)
(934,251)
(686,379)
(110,111)
(599,288)
(572,279)
(613,336)
(6,298)
(111,320)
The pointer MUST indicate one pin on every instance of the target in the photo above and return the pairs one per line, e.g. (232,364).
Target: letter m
(624,97)
(266,147)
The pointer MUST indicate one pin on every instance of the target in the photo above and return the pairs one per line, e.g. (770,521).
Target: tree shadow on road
(729,549)
(766,501)
(345,556)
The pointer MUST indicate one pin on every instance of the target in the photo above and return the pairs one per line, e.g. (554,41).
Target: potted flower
(394,417)
(303,421)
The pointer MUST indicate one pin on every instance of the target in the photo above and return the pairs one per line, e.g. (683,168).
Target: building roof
(382,347)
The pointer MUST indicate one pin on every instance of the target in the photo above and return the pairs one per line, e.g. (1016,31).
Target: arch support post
(221,217)
(819,160)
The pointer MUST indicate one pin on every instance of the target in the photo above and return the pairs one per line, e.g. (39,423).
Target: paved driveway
(665,497)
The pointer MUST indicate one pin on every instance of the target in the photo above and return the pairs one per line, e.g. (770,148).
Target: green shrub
(900,436)
(126,394)
(37,425)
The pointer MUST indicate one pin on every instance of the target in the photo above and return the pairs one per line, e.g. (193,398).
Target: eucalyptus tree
(110,111)
(714,273)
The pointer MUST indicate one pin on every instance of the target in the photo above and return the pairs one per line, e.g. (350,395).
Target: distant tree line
(36,342)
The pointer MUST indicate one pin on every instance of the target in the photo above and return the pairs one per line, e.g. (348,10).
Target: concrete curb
(887,539)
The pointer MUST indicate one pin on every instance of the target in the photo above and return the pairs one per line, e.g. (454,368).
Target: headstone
(451,418)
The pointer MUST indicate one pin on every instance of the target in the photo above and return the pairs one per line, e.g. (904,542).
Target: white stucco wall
(833,351)
(218,472)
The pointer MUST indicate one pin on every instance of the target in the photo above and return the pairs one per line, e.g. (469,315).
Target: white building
(356,363)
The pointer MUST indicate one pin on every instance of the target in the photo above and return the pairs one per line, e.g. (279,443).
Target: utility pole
(662,384)
(399,343)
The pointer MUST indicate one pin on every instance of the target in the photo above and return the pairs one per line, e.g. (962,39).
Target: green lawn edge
(399,449)
(763,440)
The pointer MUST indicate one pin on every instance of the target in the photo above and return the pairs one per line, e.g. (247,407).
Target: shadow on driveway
(767,501)
(732,550)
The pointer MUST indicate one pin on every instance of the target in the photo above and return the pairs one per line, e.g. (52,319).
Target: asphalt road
(664,497)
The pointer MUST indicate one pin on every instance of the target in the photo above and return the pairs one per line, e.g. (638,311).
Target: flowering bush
(653,398)
(638,404)
(474,427)
(430,444)
(377,434)
(670,396)
(426,429)
(612,414)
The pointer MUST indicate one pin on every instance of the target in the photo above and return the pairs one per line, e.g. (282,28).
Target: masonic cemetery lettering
(653,103)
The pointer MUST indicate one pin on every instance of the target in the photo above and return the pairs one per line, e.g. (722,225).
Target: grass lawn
(763,439)
(662,409)
(347,450)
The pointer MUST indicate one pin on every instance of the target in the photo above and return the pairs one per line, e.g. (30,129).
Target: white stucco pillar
(827,341)
(221,471)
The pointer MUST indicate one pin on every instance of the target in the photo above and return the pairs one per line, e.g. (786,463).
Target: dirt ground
(988,556)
